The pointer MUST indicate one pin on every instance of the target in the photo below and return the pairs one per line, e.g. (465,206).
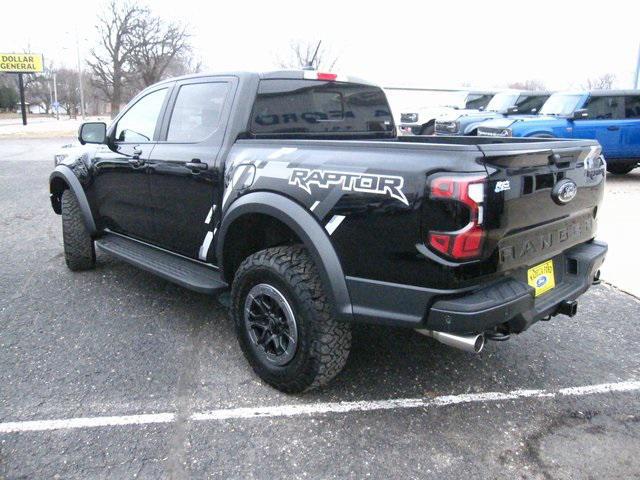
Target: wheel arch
(470,128)
(305,227)
(426,125)
(61,179)
(540,134)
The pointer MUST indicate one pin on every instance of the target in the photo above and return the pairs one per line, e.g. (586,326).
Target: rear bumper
(509,301)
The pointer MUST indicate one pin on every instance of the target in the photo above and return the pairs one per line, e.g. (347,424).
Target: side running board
(186,273)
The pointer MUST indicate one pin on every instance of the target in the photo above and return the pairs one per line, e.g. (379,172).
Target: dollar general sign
(21,62)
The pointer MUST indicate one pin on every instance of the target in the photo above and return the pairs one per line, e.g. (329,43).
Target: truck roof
(443,90)
(274,74)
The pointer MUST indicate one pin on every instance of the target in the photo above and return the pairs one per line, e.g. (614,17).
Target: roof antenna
(309,65)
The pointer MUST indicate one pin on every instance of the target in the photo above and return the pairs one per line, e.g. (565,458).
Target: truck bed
(519,173)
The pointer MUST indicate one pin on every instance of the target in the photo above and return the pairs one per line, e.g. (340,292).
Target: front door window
(138,124)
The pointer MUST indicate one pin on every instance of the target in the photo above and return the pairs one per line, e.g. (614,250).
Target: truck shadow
(384,362)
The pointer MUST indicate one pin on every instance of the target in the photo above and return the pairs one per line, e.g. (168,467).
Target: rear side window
(319,107)
(632,106)
(196,113)
(605,108)
(530,104)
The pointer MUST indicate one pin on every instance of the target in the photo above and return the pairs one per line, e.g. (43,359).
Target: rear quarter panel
(378,236)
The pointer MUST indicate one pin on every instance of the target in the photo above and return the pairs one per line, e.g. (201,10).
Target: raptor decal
(349,182)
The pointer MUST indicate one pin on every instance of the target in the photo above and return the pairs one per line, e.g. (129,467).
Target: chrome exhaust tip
(468,343)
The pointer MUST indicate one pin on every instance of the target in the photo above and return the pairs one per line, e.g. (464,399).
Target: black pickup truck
(292,191)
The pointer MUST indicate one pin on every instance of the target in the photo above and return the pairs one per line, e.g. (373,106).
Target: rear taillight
(464,243)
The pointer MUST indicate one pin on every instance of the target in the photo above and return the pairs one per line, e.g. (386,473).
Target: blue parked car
(612,117)
(503,104)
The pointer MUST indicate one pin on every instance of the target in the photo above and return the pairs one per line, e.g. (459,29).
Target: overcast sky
(424,43)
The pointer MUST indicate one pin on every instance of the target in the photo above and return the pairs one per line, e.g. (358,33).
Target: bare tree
(301,54)
(158,46)
(603,82)
(68,90)
(185,64)
(8,92)
(528,85)
(37,88)
(111,60)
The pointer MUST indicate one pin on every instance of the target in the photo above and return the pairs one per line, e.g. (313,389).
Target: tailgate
(542,198)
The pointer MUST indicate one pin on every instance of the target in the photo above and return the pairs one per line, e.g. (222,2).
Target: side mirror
(512,110)
(580,114)
(481,109)
(92,132)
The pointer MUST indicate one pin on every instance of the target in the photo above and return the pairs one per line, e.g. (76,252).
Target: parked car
(290,194)
(422,121)
(612,117)
(71,150)
(503,104)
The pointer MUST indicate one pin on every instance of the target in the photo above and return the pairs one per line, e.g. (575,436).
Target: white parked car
(70,150)
(421,121)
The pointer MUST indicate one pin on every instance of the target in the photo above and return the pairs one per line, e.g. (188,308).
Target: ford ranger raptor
(291,195)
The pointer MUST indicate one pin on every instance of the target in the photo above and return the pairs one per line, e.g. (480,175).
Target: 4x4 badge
(502,185)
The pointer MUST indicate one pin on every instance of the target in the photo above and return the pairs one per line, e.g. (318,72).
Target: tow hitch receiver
(568,308)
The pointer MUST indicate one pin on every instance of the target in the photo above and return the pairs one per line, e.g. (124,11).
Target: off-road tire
(621,168)
(79,251)
(323,342)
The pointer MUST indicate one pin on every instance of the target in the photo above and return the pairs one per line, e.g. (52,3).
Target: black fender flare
(307,228)
(66,175)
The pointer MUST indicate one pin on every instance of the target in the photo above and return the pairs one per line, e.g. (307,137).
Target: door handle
(136,162)
(196,165)
(613,128)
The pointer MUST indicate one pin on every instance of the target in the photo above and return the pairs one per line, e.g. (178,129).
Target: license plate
(541,277)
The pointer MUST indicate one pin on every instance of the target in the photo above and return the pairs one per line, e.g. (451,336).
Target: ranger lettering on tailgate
(545,242)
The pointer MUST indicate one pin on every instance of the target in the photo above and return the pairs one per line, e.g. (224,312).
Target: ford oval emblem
(564,191)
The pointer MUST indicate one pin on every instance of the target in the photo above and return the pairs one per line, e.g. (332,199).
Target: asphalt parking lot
(162,363)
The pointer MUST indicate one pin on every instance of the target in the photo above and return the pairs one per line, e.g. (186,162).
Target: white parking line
(314,408)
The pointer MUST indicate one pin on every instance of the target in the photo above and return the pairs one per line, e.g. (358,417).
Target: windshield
(478,101)
(502,101)
(561,104)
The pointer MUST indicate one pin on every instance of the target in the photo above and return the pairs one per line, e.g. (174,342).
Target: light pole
(50,73)
(635,81)
(80,76)
(80,85)
(53,92)
(55,96)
